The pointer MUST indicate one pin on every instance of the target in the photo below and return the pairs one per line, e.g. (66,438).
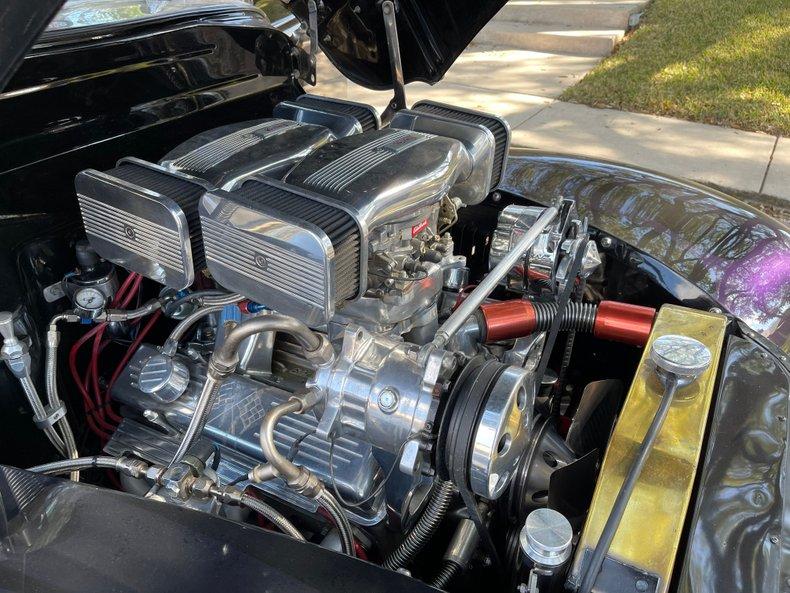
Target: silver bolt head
(388,400)
(680,355)
(546,538)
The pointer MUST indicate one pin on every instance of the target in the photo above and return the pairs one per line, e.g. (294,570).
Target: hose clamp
(51,415)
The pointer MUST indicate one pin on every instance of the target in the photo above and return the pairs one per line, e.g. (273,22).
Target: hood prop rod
(398,101)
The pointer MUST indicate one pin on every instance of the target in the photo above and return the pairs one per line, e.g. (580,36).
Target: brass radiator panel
(649,533)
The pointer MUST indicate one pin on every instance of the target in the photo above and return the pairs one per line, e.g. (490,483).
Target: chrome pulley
(486,426)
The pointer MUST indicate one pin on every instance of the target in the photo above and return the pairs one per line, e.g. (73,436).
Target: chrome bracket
(312,31)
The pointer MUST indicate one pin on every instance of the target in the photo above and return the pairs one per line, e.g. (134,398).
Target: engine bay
(343,331)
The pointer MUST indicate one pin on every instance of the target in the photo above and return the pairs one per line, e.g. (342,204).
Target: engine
(352,241)
(359,332)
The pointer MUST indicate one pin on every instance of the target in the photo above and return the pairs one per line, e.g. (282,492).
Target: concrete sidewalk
(743,161)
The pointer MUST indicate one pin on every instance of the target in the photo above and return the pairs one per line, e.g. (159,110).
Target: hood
(431,35)
(21,23)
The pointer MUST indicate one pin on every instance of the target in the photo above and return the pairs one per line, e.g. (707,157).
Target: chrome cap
(546,538)
(680,355)
(164,378)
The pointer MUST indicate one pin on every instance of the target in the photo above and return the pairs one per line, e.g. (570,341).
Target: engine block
(233,426)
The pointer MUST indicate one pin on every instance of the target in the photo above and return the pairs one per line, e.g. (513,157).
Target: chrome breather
(350,216)
(143,218)
(478,141)
(227,156)
(281,245)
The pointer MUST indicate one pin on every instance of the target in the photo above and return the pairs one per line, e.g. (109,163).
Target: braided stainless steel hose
(51,387)
(330,505)
(272,515)
(128,465)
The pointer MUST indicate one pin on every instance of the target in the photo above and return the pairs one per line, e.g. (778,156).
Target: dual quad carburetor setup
(367,343)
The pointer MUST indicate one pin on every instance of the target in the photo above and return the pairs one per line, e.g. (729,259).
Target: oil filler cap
(546,538)
(163,378)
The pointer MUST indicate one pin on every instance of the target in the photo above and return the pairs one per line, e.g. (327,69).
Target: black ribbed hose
(425,527)
(446,574)
(578,317)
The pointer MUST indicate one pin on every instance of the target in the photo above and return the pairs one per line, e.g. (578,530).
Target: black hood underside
(431,34)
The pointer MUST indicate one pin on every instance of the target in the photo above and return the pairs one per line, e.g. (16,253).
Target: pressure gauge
(89,302)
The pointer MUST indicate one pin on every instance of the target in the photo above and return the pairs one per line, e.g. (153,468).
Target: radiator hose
(608,320)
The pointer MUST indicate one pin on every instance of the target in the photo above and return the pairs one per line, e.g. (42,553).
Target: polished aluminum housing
(478,141)
(498,127)
(341,116)
(228,155)
(513,222)
(233,425)
(144,218)
(300,247)
(365,114)
(384,176)
(283,247)
(379,390)
(341,125)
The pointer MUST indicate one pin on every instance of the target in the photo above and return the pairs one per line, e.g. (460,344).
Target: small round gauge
(89,301)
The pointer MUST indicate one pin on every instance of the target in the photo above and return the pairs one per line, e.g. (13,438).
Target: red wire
(93,369)
(126,293)
(86,399)
(359,550)
(125,285)
(95,416)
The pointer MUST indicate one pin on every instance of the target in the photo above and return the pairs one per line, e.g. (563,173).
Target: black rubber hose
(425,527)
(578,317)
(446,574)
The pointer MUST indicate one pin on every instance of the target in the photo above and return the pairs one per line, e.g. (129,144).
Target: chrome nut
(202,486)
(136,468)
(220,368)
(323,355)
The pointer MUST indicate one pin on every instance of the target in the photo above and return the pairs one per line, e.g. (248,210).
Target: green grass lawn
(722,62)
